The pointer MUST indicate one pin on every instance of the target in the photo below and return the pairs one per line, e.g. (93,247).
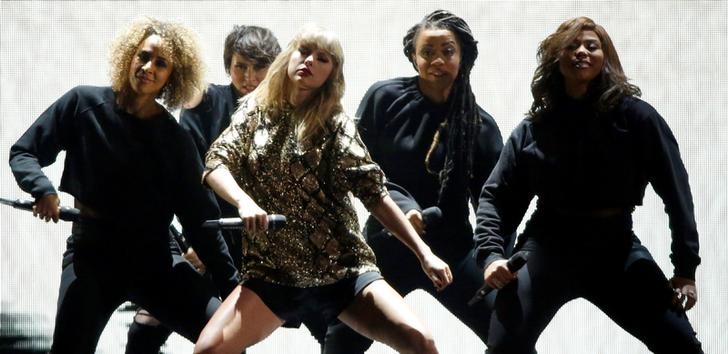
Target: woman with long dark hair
(436,147)
(587,150)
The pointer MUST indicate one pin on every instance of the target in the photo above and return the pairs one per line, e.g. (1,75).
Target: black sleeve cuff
(484,262)
(685,272)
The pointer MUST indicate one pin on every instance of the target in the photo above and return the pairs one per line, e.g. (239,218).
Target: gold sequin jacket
(310,184)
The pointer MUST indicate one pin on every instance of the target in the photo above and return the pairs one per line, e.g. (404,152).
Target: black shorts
(293,304)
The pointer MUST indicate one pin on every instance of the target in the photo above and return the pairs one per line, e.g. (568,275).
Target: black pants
(102,268)
(402,271)
(145,338)
(602,262)
(148,339)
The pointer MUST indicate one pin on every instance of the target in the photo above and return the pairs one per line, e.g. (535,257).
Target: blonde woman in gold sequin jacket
(291,150)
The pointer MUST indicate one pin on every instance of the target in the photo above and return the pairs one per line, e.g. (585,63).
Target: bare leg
(380,313)
(241,321)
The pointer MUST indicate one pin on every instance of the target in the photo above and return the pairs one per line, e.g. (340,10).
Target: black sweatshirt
(136,173)
(576,160)
(207,120)
(397,124)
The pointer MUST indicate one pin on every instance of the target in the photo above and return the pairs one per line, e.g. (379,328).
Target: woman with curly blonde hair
(130,167)
(292,150)
(180,47)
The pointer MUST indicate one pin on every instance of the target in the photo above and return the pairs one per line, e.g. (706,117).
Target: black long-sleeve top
(207,120)
(576,160)
(211,116)
(135,173)
(397,124)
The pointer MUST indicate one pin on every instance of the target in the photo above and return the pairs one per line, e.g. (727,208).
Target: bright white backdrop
(674,50)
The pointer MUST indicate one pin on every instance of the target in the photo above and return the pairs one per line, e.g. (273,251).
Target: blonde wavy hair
(275,91)
(188,69)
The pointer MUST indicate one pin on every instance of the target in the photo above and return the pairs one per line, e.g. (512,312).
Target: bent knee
(686,343)
(510,350)
(675,335)
(208,344)
(511,345)
(419,341)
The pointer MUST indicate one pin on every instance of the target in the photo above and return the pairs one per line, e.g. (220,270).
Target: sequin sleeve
(231,147)
(354,168)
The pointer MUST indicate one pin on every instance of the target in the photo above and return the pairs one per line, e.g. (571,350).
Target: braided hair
(462,121)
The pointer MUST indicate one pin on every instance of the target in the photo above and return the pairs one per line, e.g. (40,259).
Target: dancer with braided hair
(437,148)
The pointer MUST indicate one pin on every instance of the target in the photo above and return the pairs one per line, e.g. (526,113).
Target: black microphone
(275,222)
(432,216)
(180,238)
(514,263)
(65,213)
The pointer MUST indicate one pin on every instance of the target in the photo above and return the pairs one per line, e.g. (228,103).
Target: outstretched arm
(503,201)
(389,214)
(223,183)
(669,179)
(38,147)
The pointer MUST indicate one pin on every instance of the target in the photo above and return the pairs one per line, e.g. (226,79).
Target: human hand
(415,218)
(497,274)
(255,218)
(436,270)
(685,293)
(47,207)
(191,256)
